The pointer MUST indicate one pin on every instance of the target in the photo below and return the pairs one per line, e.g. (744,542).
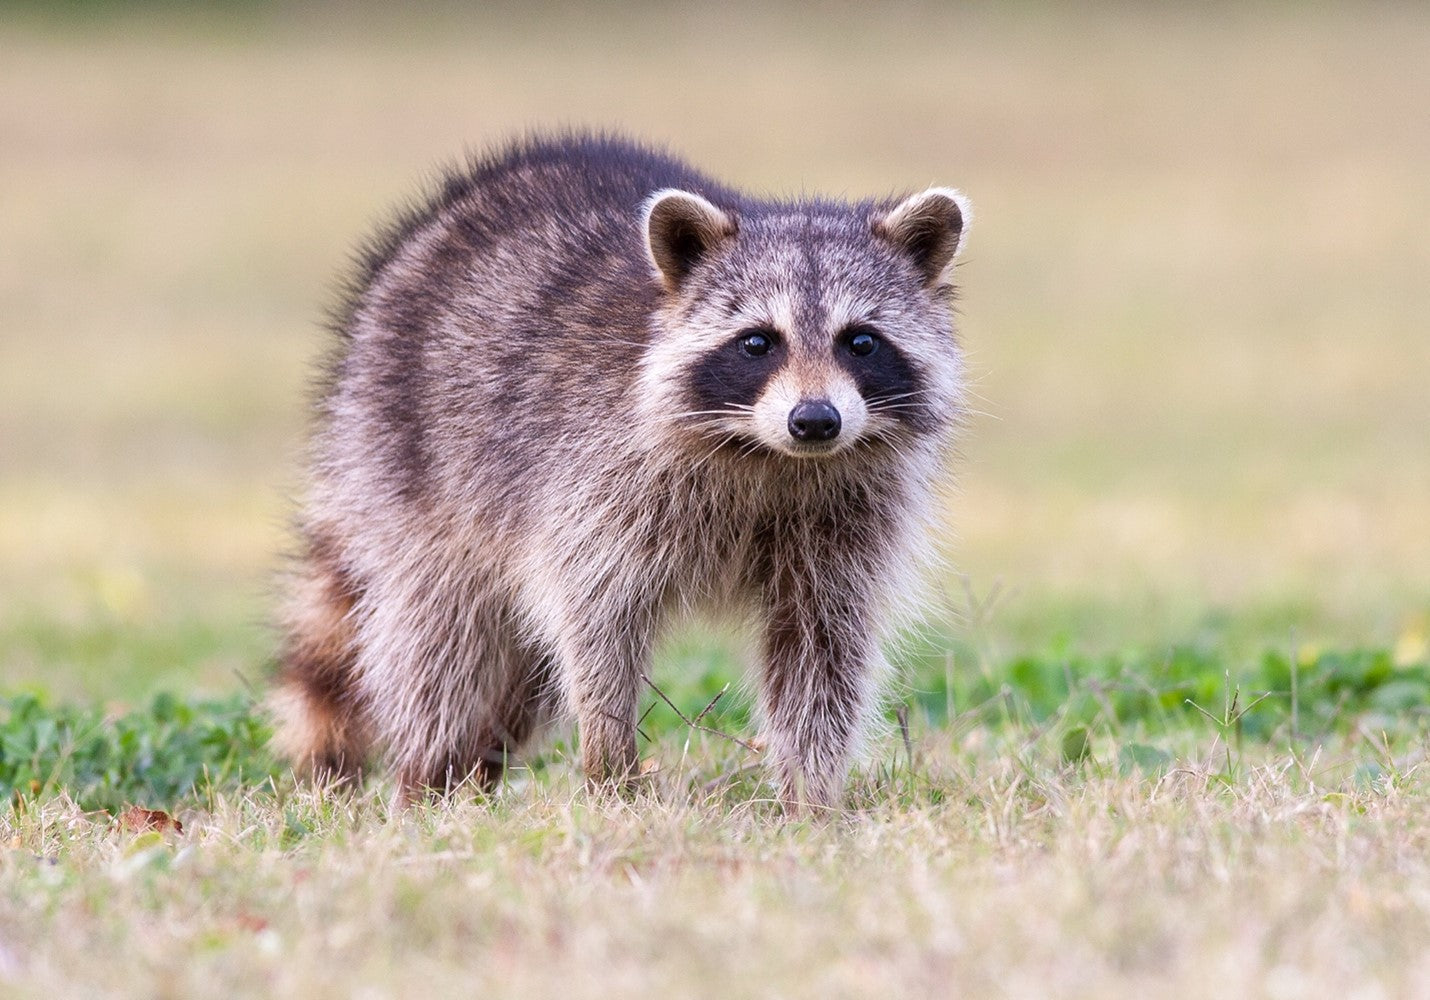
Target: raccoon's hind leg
(478,749)
(455,690)
(319,722)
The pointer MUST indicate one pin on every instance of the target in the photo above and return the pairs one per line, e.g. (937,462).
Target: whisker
(894,408)
(728,412)
(713,451)
(909,394)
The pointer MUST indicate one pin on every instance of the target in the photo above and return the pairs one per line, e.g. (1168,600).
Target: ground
(985,871)
(1194,306)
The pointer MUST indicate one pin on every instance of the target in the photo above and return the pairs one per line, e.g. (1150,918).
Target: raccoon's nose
(814,420)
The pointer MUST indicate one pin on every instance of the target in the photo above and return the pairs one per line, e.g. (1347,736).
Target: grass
(1113,712)
(991,867)
(1165,731)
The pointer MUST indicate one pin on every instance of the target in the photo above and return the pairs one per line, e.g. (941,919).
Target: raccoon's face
(807,330)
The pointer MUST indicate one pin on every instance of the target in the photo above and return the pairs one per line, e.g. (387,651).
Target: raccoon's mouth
(754,444)
(812,449)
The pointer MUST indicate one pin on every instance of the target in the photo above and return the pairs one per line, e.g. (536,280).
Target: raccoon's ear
(929,227)
(680,229)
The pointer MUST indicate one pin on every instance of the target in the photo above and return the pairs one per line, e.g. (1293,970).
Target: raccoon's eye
(756,344)
(863,343)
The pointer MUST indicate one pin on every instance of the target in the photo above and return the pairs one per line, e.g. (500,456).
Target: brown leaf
(137,819)
(251,923)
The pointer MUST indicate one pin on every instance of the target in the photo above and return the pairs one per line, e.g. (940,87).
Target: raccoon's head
(807,329)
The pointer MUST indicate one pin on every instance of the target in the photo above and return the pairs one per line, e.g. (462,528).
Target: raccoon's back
(495,330)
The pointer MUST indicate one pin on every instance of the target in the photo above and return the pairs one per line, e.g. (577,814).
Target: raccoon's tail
(319,722)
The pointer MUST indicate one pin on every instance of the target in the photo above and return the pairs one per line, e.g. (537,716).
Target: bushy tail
(319,722)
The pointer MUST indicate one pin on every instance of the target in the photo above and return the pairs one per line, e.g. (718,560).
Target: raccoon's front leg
(818,684)
(605,665)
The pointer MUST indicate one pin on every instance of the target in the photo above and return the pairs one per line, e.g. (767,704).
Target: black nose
(814,420)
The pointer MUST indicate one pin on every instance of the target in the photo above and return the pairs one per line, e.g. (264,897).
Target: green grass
(1120,711)
(167,754)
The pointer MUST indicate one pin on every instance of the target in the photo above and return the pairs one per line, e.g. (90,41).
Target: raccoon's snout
(814,420)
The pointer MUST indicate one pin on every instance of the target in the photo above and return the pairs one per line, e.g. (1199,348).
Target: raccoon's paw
(427,782)
(803,799)
(608,755)
(809,788)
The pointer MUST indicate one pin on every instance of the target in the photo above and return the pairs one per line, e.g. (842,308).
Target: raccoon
(582,391)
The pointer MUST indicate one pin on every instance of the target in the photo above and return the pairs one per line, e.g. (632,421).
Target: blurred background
(1196,295)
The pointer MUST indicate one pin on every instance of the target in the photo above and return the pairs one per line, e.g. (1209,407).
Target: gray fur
(518,480)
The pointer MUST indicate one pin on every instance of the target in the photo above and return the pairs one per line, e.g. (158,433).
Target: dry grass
(991,873)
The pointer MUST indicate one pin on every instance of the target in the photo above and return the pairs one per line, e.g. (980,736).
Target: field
(1164,728)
